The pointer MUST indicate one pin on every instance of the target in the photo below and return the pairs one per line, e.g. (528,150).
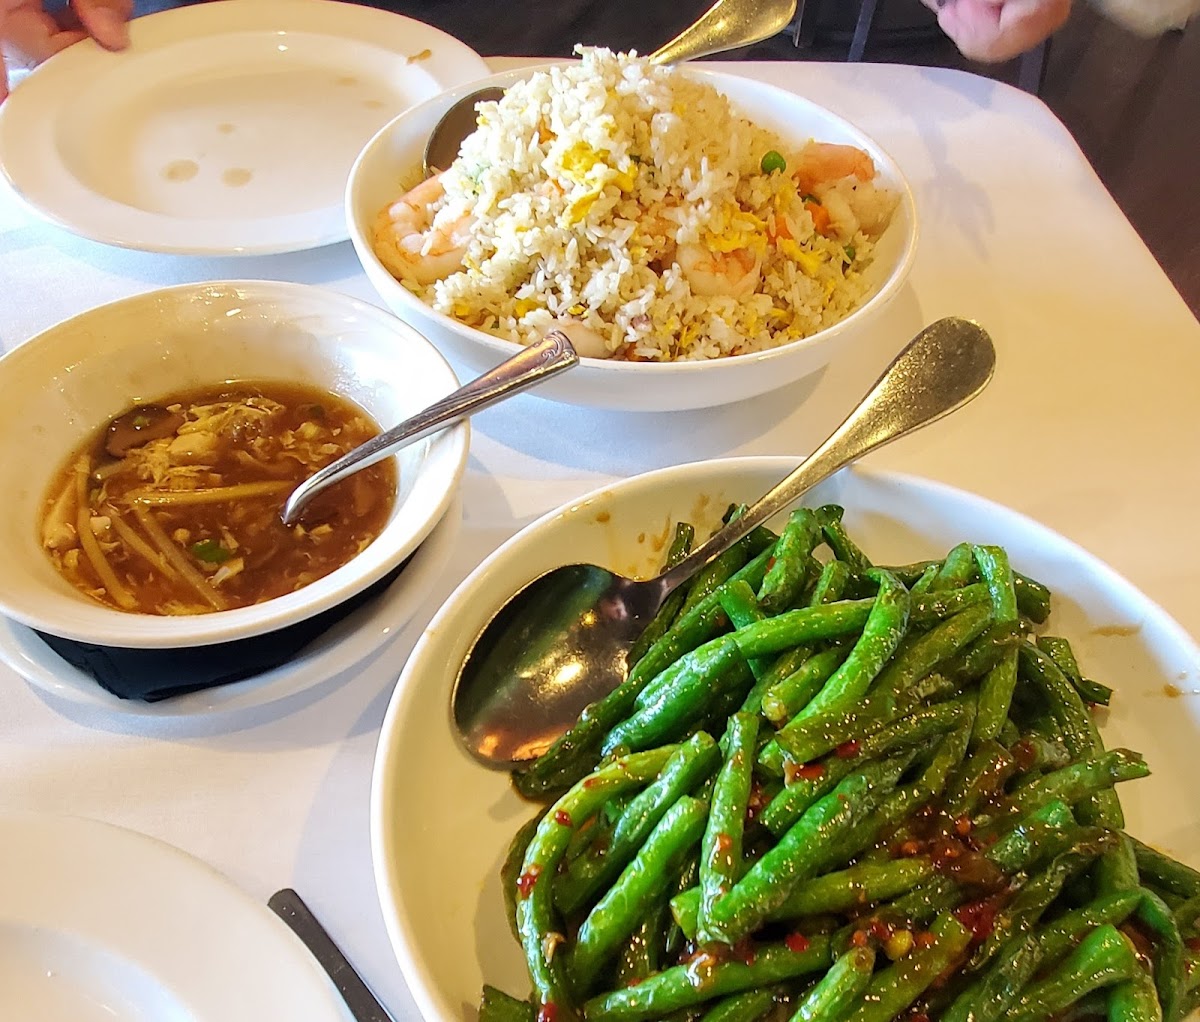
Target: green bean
(931,649)
(909,731)
(1078,730)
(743,1007)
(695,679)
(721,850)
(880,636)
(839,988)
(932,606)
(1033,598)
(843,547)
(1186,914)
(510,869)
(831,583)
(803,625)
(1104,957)
(1135,1000)
(681,544)
(786,663)
(1035,752)
(800,853)
(1055,939)
(796,691)
(921,585)
(535,908)
(1165,872)
(1153,914)
(1059,650)
(705,979)
(996,690)
(808,739)
(718,571)
(1073,783)
(617,914)
(1117,869)
(893,989)
(991,995)
(784,581)
(497,1006)
(642,954)
(981,777)
(578,751)
(957,570)
(739,602)
(694,760)
(1023,912)
(841,891)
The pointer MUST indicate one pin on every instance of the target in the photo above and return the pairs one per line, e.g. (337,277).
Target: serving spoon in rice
(726,25)
(563,641)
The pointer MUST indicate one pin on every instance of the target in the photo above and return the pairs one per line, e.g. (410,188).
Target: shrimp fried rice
(632,206)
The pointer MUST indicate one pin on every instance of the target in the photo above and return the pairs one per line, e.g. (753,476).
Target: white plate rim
(147,890)
(344,645)
(27,151)
(404,940)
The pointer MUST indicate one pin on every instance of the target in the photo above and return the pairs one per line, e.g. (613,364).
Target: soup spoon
(726,25)
(562,641)
(530,366)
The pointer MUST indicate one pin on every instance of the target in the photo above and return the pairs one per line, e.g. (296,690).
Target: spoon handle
(530,366)
(726,25)
(941,369)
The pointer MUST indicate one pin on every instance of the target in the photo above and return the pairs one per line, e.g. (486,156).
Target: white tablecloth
(1092,426)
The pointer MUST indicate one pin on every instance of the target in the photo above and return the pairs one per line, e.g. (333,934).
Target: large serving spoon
(530,366)
(726,25)
(562,641)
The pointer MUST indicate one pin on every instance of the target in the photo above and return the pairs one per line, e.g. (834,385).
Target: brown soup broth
(180,499)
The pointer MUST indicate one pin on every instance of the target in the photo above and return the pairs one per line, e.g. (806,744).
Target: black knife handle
(363,1004)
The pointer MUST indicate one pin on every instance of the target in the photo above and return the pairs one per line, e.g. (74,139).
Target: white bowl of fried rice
(702,238)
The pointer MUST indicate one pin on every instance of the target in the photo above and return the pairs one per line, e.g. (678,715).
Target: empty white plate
(101,924)
(226,128)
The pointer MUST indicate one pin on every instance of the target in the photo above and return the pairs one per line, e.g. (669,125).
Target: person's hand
(997,30)
(28,34)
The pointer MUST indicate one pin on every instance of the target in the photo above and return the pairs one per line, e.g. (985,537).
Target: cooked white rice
(587,188)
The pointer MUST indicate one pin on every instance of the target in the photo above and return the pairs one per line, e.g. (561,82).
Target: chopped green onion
(850,253)
(140,422)
(209,551)
(772,162)
(809,197)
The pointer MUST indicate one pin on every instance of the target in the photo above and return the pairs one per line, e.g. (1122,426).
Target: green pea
(772,162)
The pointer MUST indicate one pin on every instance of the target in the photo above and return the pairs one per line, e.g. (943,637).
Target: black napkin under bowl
(155,674)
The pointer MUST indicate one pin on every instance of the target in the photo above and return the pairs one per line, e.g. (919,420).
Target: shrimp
(720,274)
(824,162)
(419,246)
(588,343)
(842,178)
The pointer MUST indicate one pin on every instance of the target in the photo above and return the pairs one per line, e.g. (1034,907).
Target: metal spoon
(527,368)
(561,642)
(726,25)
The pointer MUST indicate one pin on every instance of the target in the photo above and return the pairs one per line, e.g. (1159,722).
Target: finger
(106,21)
(3,79)
(32,35)
(992,33)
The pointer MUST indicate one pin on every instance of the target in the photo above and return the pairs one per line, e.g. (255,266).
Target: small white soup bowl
(63,385)
(393,156)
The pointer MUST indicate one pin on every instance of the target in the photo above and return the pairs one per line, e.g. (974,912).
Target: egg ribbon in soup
(173,507)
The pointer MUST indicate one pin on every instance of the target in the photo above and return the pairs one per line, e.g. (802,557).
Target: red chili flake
(847,750)
(770,562)
(562,817)
(591,782)
(859,939)
(908,849)
(799,943)
(980,916)
(743,950)
(724,843)
(881,929)
(756,803)
(527,879)
(1193,943)
(547,1012)
(793,772)
(963,825)
(920,1016)
(924,939)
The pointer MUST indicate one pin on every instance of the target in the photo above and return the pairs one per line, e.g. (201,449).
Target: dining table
(1091,426)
